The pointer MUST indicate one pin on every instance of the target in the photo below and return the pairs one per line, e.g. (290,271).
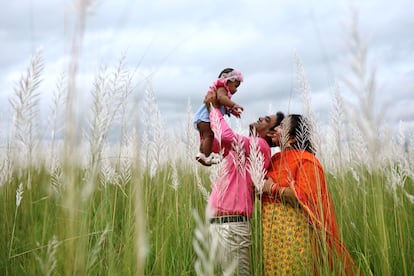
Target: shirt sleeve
(217,122)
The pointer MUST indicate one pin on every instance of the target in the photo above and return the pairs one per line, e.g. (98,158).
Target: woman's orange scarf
(303,173)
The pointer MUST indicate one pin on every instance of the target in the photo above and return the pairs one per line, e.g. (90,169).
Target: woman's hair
(299,128)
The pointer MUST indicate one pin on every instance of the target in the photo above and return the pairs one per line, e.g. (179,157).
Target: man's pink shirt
(233,192)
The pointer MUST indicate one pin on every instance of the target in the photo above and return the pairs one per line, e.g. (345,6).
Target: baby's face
(233,86)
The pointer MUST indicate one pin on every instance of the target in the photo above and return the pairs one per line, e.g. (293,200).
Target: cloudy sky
(183,45)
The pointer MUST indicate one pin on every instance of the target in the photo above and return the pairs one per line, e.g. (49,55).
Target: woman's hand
(267,186)
(287,195)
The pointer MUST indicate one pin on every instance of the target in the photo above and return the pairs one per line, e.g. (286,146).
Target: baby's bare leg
(207,138)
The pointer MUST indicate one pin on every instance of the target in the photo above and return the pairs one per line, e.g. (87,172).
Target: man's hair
(279,118)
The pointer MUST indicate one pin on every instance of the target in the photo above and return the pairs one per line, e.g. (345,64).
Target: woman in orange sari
(300,234)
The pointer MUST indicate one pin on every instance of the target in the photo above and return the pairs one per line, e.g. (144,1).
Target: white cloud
(184,44)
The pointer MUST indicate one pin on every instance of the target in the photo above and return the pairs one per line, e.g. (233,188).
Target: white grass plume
(215,124)
(174,176)
(110,172)
(200,186)
(25,104)
(204,248)
(337,156)
(303,86)
(410,155)
(256,165)
(159,153)
(409,196)
(108,175)
(191,136)
(56,118)
(396,165)
(239,157)
(240,164)
(305,92)
(97,248)
(400,150)
(56,180)
(359,149)
(207,249)
(124,111)
(218,175)
(6,170)
(145,149)
(106,104)
(153,131)
(363,86)
(108,97)
(19,197)
(395,182)
(47,260)
(304,135)
(125,170)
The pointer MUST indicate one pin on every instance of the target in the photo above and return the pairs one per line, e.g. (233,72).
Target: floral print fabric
(286,240)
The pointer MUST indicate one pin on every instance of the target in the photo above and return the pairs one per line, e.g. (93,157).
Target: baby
(226,86)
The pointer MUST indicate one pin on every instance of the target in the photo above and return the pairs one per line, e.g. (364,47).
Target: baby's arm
(222,98)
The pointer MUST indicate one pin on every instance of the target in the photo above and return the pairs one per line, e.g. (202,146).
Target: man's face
(263,125)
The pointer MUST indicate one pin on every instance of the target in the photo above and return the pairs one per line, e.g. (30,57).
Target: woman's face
(281,135)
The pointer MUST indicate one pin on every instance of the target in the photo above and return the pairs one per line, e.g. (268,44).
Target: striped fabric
(234,245)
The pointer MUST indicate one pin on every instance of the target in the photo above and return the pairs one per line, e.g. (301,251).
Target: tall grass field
(115,192)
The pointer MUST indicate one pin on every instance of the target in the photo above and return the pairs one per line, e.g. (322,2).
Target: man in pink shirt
(231,201)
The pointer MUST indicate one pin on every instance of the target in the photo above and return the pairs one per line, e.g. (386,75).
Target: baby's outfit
(202,113)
